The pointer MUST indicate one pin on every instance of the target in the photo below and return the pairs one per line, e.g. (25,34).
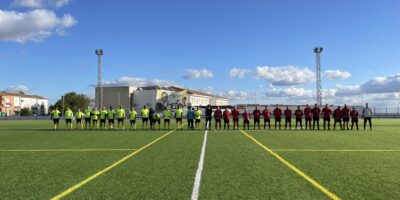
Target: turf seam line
(197,180)
(61,150)
(103,171)
(338,150)
(293,168)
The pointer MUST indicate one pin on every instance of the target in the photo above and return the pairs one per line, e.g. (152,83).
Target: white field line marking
(61,150)
(197,180)
(339,150)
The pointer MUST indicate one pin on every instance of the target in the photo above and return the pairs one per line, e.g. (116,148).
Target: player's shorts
(288,119)
(218,120)
(145,119)
(277,119)
(178,119)
(120,120)
(308,119)
(208,118)
(157,121)
(246,121)
(267,120)
(166,120)
(257,120)
(235,120)
(198,120)
(226,121)
(56,121)
(346,119)
(102,120)
(300,119)
(68,120)
(111,121)
(315,118)
(87,120)
(354,120)
(95,120)
(133,121)
(79,120)
(338,120)
(327,119)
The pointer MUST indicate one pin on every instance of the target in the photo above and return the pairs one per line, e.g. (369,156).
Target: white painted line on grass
(197,180)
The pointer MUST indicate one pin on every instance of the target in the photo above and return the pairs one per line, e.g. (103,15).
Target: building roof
(21,94)
(180,89)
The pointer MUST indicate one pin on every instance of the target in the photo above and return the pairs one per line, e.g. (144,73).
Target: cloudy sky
(246,50)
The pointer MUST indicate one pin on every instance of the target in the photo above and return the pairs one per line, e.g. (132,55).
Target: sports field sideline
(39,163)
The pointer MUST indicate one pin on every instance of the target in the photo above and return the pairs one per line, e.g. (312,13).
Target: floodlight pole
(318,51)
(99,53)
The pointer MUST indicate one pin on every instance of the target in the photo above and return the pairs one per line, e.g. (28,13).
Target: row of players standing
(310,115)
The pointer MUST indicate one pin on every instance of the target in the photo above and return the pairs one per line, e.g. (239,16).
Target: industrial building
(11,103)
(156,97)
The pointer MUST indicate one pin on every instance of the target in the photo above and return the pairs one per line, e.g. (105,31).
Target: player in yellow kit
(167,117)
(79,115)
(95,118)
(88,114)
(55,116)
(121,117)
(178,117)
(197,116)
(111,116)
(145,117)
(103,116)
(132,118)
(68,118)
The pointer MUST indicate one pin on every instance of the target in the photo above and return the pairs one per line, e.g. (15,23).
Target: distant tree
(26,112)
(72,100)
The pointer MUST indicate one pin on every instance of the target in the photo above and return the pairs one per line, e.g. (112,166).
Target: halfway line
(87,180)
(295,169)
(197,180)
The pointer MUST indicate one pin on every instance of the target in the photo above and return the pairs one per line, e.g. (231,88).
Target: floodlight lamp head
(318,49)
(99,52)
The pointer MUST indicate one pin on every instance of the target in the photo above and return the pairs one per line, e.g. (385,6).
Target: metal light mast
(318,51)
(99,53)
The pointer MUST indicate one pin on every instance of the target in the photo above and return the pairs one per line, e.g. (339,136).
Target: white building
(157,97)
(11,103)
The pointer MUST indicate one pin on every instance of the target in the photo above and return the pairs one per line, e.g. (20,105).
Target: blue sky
(164,39)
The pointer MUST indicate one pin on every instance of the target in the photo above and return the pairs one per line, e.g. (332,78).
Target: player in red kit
(354,118)
(316,114)
(327,112)
(267,117)
(235,117)
(218,117)
(227,117)
(278,115)
(246,119)
(346,117)
(308,112)
(288,117)
(337,115)
(299,118)
(257,116)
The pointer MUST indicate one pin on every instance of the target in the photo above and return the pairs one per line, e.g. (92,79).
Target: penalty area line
(293,168)
(103,171)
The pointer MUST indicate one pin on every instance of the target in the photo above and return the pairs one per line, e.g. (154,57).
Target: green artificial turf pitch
(39,163)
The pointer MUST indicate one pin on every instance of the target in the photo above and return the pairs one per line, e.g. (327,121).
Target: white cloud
(236,95)
(138,82)
(285,75)
(238,72)
(289,92)
(34,25)
(18,88)
(385,84)
(196,74)
(337,74)
(40,3)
